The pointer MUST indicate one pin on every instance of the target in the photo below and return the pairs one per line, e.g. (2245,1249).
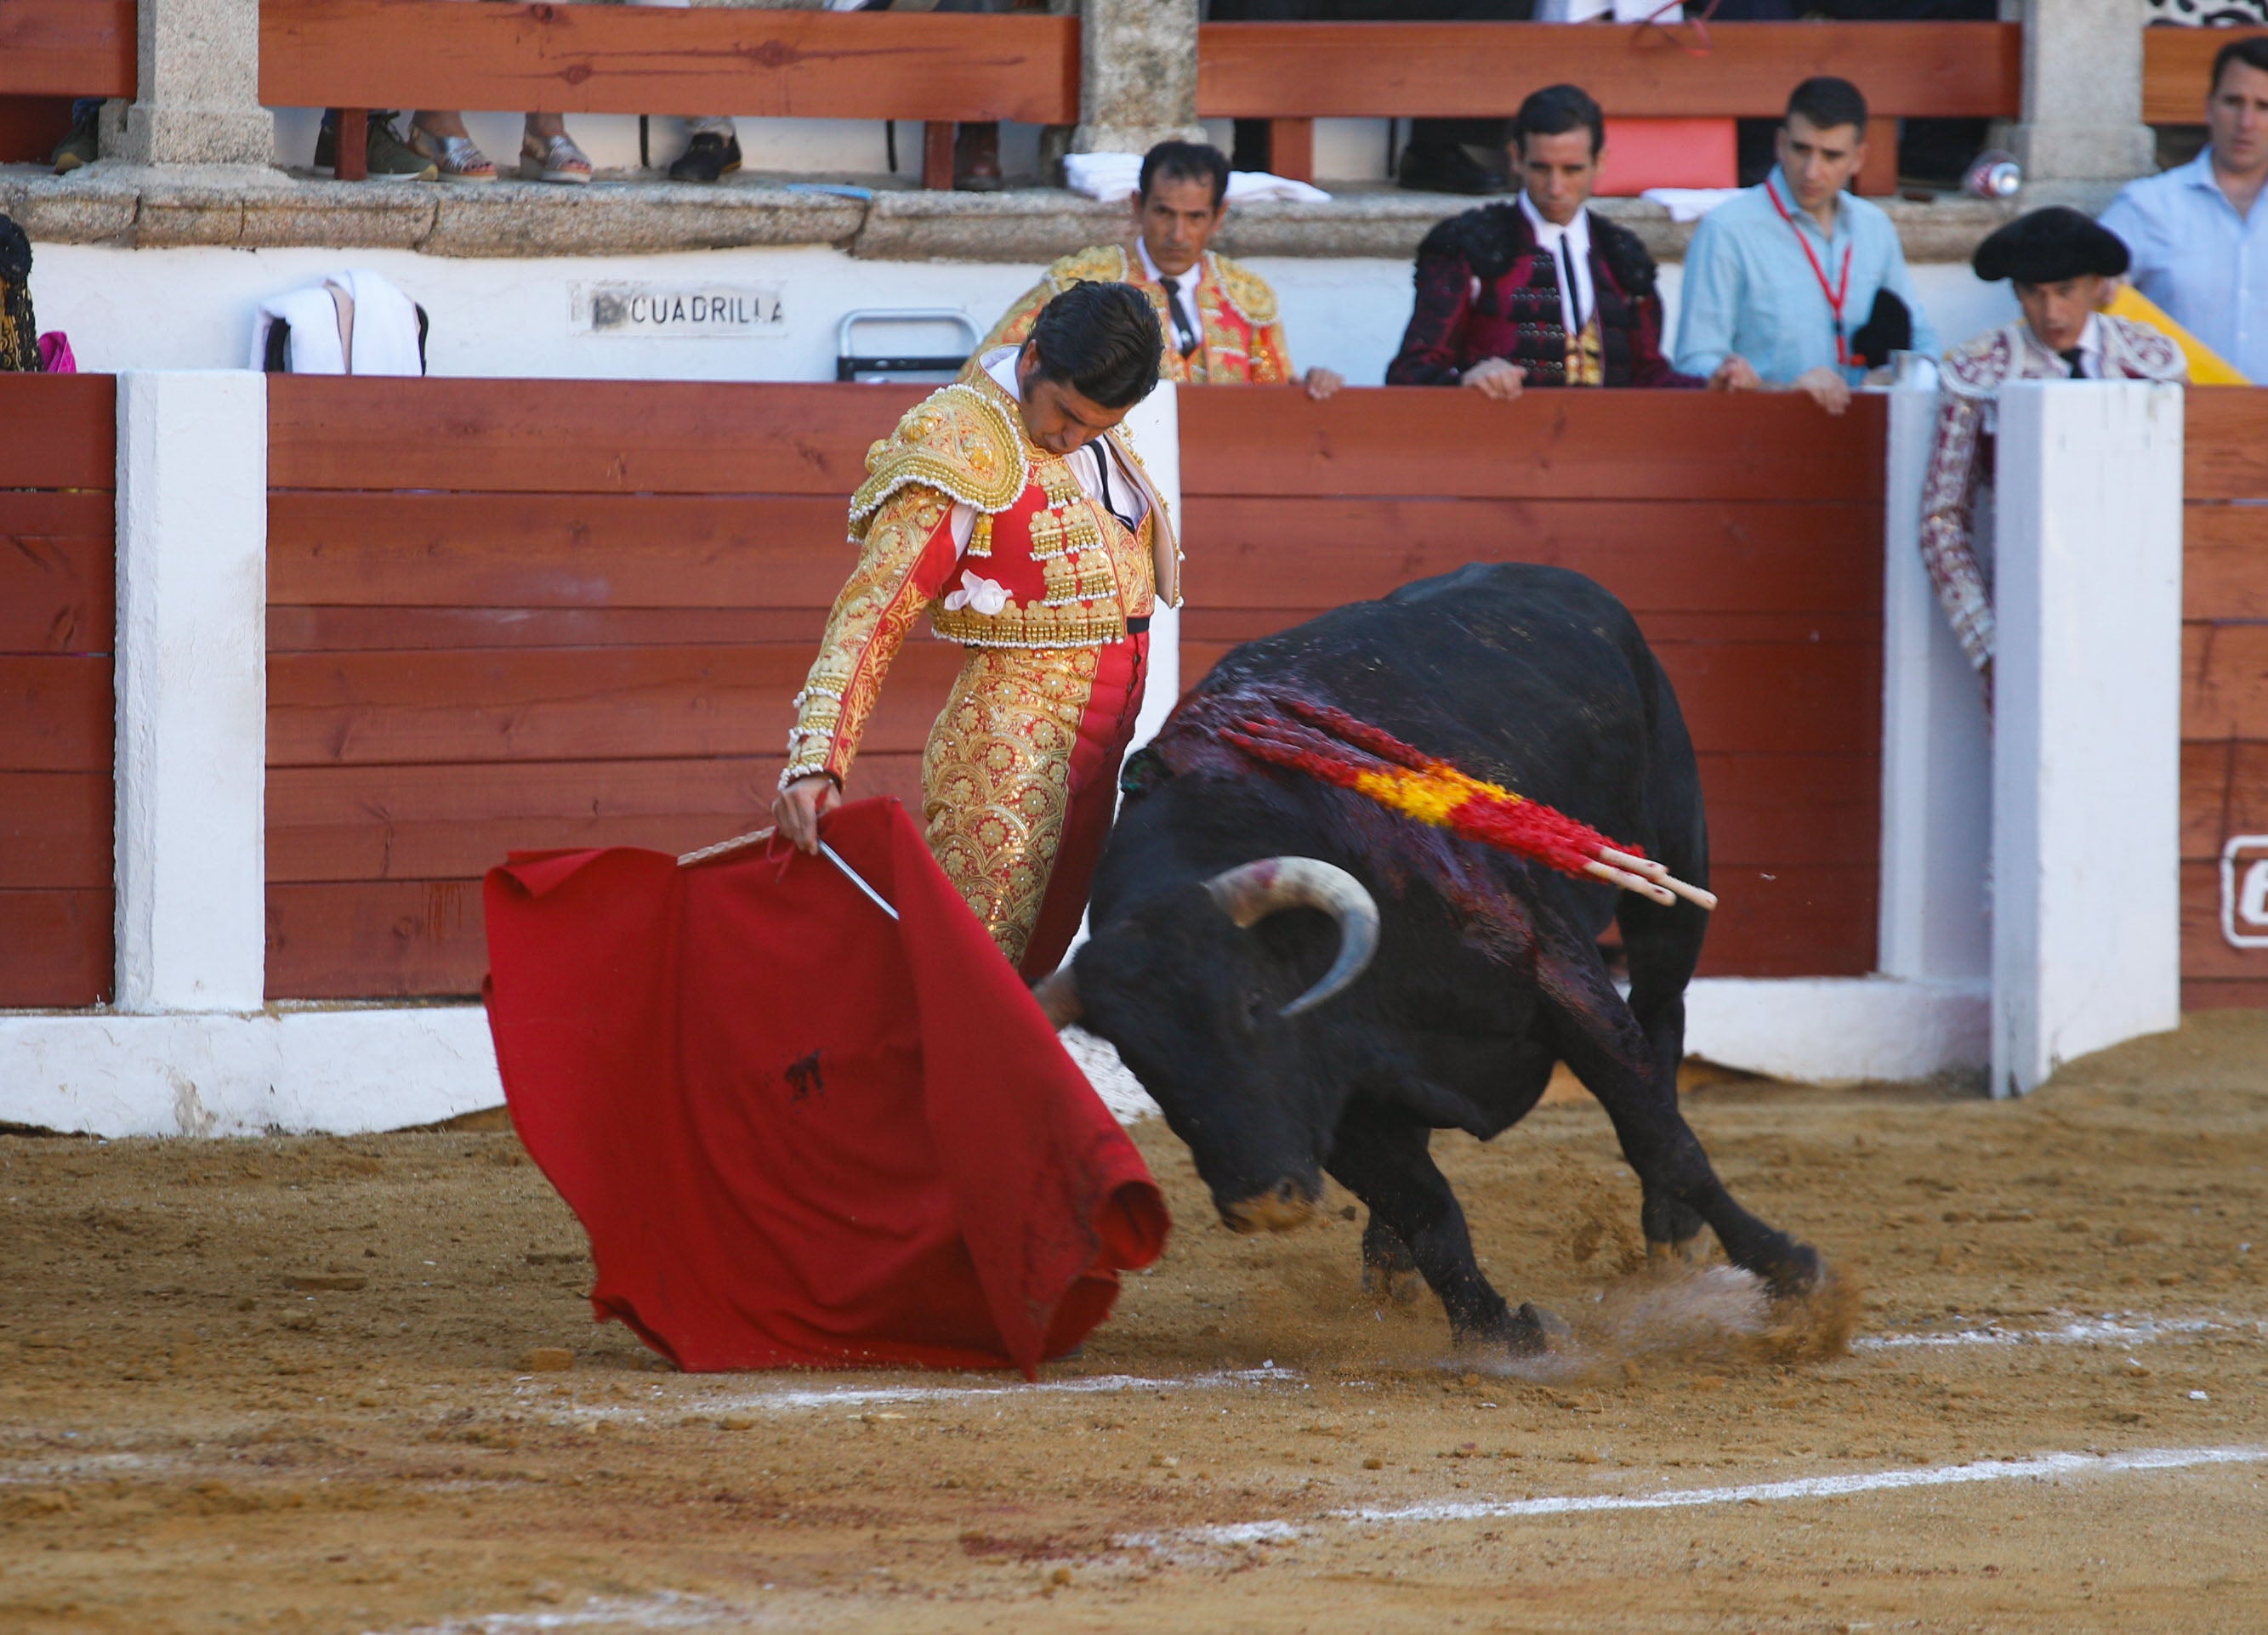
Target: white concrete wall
(193,308)
(2086,750)
(192,690)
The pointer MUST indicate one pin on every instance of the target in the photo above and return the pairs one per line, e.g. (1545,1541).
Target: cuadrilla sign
(691,311)
(2245,891)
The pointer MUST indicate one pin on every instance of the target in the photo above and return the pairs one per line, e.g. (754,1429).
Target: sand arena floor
(278,1386)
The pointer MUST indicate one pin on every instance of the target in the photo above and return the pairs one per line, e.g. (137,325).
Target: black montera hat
(2049,246)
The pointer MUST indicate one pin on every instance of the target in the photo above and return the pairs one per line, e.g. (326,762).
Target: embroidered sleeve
(907,558)
(1948,517)
(1434,342)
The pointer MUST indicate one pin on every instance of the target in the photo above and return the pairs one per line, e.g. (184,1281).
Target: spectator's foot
(709,157)
(454,159)
(387,156)
(553,158)
(976,158)
(1446,170)
(83,146)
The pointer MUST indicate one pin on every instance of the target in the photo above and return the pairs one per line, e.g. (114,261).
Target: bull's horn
(1057,993)
(1253,891)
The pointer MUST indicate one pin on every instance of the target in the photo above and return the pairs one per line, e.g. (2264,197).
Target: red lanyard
(1836,296)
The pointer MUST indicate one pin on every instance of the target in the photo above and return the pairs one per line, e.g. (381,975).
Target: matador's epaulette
(1244,290)
(957,441)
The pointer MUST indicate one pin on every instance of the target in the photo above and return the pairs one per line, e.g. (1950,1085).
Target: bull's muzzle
(1286,1205)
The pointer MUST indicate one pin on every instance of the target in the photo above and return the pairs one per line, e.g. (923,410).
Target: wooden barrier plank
(1815,920)
(365,823)
(58,432)
(581,437)
(55,830)
(54,713)
(2223,545)
(1322,71)
(55,948)
(568,704)
(2225,994)
(1661,626)
(1423,441)
(350,630)
(2224,680)
(67,47)
(2205,953)
(2224,792)
(2225,445)
(56,591)
(2176,69)
(571,59)
(558,550)
(1708,555)
(1786,812)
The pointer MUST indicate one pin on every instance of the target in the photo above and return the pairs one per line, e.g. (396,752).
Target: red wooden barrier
(1746,534)
(1294,73)
(2176,63)
(502,618)
(57,468)
(2225,683)
(67,47)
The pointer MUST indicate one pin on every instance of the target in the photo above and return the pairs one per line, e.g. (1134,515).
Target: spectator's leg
(1248,149)
(713,149)
(439,135)
(977,148)
(548,154)
(82,144)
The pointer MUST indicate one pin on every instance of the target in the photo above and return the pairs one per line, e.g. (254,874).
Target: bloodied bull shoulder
(1310,981)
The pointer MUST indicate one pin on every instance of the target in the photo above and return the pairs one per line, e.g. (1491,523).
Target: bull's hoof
(1527,1331)
(1400,1284)
(1798,1274)
(1814,1316)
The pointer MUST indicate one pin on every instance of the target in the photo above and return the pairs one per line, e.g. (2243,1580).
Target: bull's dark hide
(1488,971)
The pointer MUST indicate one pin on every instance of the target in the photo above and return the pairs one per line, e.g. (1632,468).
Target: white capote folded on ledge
(354,322)
(1111,177)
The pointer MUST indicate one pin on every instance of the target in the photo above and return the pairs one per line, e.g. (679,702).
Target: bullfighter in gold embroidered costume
(1218,318)
(1011,509)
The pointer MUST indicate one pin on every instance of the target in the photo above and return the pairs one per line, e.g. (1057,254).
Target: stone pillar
(1137,74)
(198,95)
(2082,136)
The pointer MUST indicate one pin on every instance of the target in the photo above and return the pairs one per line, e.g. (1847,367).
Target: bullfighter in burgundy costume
(1011,508)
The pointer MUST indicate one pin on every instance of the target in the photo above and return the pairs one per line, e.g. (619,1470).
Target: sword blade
(856,878)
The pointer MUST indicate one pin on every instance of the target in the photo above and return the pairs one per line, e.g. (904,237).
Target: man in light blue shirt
(2199,233)
(1781,280)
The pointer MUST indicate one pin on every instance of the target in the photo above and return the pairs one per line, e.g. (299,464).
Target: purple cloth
(55,354)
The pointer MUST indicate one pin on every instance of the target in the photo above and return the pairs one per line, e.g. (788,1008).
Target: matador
(1011,508)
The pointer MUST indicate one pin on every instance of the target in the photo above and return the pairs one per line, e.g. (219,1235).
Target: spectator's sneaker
(553,158)
(1446,170)
(384,155)
(709,157)
(83,146)
(454,159)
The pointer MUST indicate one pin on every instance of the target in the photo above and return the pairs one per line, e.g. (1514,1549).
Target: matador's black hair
(1103,340)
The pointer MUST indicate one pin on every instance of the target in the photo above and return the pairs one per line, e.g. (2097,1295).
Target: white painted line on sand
(2039,1466)
(885,1396)
(664,1609)
(2106,1330)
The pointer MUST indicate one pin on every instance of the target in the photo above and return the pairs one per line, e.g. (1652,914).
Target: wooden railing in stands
(577,617)
(2225,682)
(1293,74)
(58,464)
(67,47)
(1746,536)
(614,59)
(2175,64)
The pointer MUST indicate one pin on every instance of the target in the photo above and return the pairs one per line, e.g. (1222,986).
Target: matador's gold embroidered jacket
(1044,565)
(1241,339)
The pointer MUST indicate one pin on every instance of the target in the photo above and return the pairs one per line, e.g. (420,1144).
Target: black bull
(1206,963)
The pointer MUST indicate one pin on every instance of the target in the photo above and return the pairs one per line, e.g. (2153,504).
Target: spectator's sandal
(553,158)
(455,157)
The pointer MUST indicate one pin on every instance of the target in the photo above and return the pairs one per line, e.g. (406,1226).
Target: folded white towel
(314,347)
(1112,177)
(384,335)
(1689,203)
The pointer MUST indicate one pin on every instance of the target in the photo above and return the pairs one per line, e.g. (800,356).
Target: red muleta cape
(798,1132)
